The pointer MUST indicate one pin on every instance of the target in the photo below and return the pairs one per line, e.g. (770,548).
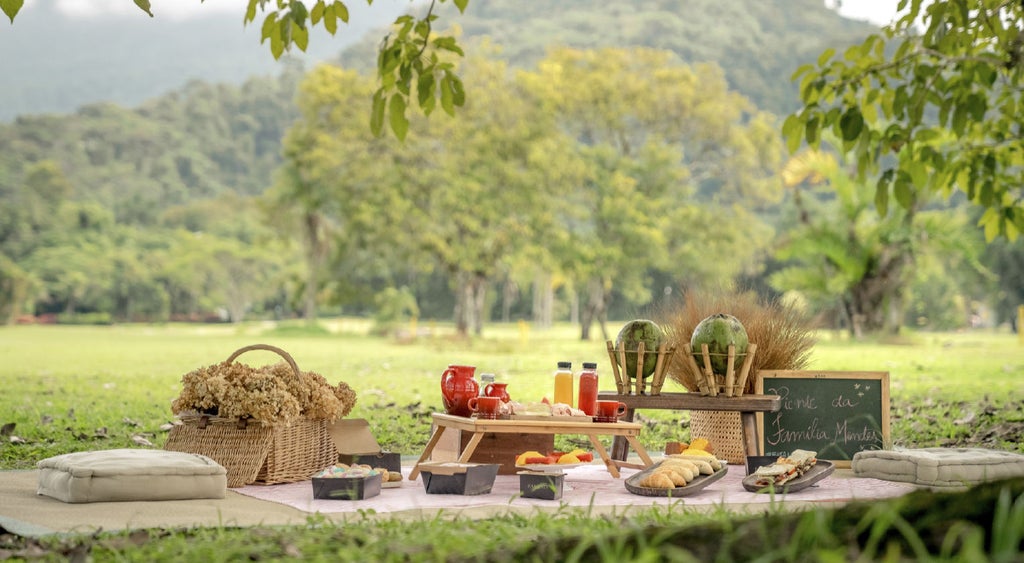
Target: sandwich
(775,474)
(804,460)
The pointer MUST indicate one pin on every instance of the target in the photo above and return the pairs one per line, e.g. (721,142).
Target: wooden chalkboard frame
(880,377)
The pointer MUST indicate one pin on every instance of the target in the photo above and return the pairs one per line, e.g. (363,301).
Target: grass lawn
(71,388)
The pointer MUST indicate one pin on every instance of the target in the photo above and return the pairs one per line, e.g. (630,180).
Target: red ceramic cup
(485,407)
(609,411)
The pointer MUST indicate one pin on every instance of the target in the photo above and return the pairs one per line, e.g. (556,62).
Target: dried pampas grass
(783,334)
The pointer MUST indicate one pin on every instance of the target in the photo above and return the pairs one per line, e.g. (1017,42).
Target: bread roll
(688,471)
(657,480)
(704,465)
(677,478)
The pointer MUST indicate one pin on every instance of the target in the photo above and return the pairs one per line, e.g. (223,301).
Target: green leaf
(825,56)
(425,87)
(377,113)
(448,44)
(300,36)
(330,20)
(882,193)
(811,131)
(458,92)
(317,13)
(791,130)
(11,7)
(298,12)
(396,113)
(461,5)
(142,4)
(250,11)
(342,10)
(851,124)
(270,28)
(447,103)
(903,191)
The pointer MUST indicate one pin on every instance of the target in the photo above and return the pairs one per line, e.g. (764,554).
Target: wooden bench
(747,405)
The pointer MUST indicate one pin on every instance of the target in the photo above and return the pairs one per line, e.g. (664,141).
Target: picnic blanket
(584,486)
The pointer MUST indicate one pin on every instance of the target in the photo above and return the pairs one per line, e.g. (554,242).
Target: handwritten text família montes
(834,429)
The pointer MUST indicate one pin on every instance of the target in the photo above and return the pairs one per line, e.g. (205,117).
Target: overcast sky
(876,11)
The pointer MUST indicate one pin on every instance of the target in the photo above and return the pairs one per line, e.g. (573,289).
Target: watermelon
(629,339)
(718,332)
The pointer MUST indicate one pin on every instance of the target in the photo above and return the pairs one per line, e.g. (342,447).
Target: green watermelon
(629,338)
(718,332)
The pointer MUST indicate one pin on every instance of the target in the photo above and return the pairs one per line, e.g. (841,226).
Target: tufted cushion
(130,474)
(939,468)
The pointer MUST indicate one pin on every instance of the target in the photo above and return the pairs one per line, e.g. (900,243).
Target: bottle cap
(565,365)
(589,365)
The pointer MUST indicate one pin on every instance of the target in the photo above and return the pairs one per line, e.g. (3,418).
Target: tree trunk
(875,302)
(462,304)
(478,296)
(543,300)
(595,309)
(509,295)
(315,250)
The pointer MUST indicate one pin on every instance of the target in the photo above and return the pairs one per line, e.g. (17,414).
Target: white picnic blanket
(588,485)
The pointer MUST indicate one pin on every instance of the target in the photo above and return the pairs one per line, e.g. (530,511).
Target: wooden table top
(557,425)
(697,401)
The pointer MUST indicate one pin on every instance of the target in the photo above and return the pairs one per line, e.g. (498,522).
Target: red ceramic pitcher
(457,388)
(498,390)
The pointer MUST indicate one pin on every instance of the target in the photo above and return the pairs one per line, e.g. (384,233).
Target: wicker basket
(725,432)
(254,452)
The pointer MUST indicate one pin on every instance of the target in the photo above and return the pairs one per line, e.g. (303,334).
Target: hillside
(757,43)
(54,63)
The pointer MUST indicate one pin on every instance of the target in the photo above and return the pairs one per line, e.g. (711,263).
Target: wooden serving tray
(698,484)
(820,470)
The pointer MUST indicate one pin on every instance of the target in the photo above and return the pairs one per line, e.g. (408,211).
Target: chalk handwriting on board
(834,413)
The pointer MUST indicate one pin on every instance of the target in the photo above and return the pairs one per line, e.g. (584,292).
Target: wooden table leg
(640,450)
(620,448)
(749,423)
(612,467)
(471,447)
(434,439)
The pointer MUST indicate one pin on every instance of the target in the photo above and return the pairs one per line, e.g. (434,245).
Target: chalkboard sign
(835,413)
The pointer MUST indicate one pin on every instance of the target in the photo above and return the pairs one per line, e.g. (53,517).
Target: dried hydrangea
(270,394)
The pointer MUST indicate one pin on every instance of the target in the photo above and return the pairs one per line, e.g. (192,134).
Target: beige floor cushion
(939,468)
(130,474)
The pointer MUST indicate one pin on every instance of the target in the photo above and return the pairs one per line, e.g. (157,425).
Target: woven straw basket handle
(287,357)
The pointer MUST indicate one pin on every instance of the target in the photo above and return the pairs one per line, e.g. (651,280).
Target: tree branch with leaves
(931,105)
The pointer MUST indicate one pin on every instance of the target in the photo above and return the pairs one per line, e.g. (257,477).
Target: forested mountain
(758,44)
(53,61)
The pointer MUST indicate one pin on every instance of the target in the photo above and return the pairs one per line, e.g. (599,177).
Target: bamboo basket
(624,385)
(255,452)
(725,432)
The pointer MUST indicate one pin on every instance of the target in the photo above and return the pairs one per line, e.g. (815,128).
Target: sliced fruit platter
(554,461)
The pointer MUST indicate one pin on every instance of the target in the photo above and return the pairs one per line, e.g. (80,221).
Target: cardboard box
(451,478)
(541,485)
(356,445)
(501,449)
(347,488)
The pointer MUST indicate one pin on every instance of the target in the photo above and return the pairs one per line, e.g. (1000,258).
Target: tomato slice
(535,459)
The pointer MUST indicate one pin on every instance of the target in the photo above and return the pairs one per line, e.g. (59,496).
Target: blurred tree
(663,146)
(844,255)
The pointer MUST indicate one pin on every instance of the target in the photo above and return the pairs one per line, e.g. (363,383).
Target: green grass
(71,388)
(79,388)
